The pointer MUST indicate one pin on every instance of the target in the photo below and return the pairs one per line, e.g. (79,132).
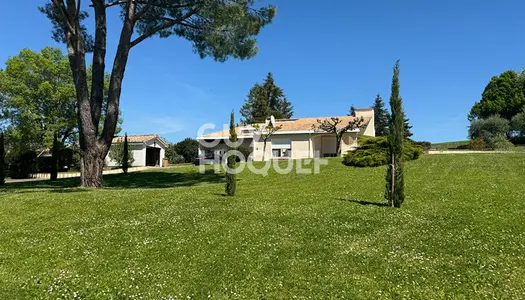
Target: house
(296,139)
(148,150)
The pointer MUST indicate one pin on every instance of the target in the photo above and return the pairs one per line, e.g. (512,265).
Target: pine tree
(2,159)
(351,112)
(265,100)
(231,178)
(54,158)
(395,181)
(125,159)
(255,108)
(407,127)
(381,117)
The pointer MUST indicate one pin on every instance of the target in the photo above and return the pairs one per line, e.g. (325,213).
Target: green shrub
(488,129)
(372,152)
(502,143)
(176,158)
(424,145)
(477,144)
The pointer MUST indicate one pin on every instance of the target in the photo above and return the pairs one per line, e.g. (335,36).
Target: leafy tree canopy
(188,148)
(38,97)
(504,95)
(265,100)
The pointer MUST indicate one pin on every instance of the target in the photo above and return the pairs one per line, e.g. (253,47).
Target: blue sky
(325,57)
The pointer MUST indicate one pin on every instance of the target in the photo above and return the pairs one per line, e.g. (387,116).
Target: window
(281,148)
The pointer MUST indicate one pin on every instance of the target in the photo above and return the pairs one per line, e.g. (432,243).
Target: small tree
(488,129)
(188,148)
(117,154)
(395,177)
(265,132)
(381,117)
(126,155)
(231,178)
(351,112)
(2,159)
(54,158)
(338,127)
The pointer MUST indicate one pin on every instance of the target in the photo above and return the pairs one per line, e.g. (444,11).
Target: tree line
(497,120)
(39,112)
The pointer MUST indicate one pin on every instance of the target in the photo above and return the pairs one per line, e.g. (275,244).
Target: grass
(172,234)
(448,145)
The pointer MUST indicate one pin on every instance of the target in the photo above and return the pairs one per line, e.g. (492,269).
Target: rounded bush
(372,152)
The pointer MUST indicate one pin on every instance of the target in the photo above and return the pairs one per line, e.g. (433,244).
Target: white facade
(298,141)
(149,152)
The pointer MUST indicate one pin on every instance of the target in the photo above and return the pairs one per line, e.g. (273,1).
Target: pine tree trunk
(94,146)
(92,168)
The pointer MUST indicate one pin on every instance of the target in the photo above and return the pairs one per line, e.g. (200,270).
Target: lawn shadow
(363,202)
(160,179)
(135,180)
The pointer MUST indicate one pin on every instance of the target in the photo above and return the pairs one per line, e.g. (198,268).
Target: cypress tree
(125,155)
(231,179)
(2,159)
(395,181)
(54,158)
(381,117)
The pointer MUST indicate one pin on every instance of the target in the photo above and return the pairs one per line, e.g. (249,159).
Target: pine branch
(162,27)
(63,12)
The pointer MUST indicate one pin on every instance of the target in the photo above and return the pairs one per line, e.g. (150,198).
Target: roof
(294,125)
(144,138)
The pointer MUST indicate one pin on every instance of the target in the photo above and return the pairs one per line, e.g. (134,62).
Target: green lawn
(460,234)
(448,145)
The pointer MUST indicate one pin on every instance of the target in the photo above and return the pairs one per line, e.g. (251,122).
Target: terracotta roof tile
(300,124)
(137,138)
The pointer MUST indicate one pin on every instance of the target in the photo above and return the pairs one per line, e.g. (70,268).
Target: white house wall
(139,154)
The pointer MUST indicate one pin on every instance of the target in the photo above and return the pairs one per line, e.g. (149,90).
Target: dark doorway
(152,157)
